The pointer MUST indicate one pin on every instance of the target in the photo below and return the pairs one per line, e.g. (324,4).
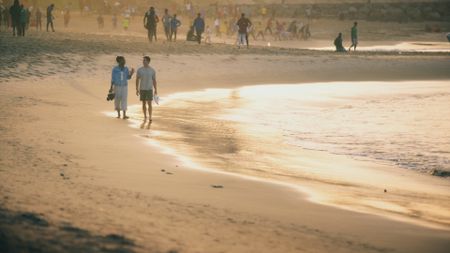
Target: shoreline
(199,162)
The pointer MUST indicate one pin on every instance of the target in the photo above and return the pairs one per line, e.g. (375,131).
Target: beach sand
(76,180)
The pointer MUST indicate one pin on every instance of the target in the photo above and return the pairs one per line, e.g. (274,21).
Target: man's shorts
(146,95)
(355,41)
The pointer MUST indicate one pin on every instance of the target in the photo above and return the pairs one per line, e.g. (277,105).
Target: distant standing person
(166,23)
(23,20)
(199,25)
(14,11)
(100,21)
(338,44)
(119,84)
(174,24)
(126,22)
(66,18)
(38,19)
(354,34)
(50,16)
(150,21)
(146,86)
(244,25)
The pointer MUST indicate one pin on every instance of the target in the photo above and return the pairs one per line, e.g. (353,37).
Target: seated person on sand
(190,35)
(338,44)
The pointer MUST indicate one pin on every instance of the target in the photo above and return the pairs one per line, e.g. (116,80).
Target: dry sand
(75,180)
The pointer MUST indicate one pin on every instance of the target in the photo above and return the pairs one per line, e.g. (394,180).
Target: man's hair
(118,58)
(147,58)
(242,14)
(356,23)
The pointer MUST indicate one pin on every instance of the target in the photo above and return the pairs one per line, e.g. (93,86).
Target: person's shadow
(146,126)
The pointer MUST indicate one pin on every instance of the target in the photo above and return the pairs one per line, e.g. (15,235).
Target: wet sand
(64,162)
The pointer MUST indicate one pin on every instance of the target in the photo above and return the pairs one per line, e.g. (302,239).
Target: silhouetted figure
(354,34)
(199,26)
(150,21)
(50,16)
(23,20)
(14,11)
(66,18)
(191,35)
(338,44)
(100,21)
(243,24)
(166,23)
(174,24)
(38,19)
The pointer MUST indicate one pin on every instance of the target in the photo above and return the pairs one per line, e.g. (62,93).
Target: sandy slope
(64,161)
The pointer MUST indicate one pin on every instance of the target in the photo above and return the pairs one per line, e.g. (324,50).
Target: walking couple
(145,86)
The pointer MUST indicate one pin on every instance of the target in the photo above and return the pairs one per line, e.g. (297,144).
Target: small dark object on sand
(217,186)
(163,170)
(61,174)
(169,173)
(385,190)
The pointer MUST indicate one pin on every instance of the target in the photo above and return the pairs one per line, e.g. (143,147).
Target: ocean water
(401,47)
(346,141)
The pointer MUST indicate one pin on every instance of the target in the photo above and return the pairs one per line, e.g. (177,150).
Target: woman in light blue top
(119,84)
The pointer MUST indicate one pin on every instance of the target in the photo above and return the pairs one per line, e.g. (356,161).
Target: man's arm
(137,85)
(145,19)
(154,85)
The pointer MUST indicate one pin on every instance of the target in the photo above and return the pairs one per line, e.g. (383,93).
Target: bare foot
(126,117)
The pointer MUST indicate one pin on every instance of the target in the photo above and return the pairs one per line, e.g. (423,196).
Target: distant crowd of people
(226,23)
(18,18)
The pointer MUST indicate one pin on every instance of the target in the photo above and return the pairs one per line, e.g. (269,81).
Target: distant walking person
(100,22)
(354,34)
(174,24)
(150,21)
(244,25)
(199,25)
(338,44)
(119,85)
(50,16)
(146,87)
(14,11)
(166,23)
(38,19)
(23,20)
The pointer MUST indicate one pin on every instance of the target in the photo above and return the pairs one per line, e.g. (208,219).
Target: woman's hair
(119,58)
